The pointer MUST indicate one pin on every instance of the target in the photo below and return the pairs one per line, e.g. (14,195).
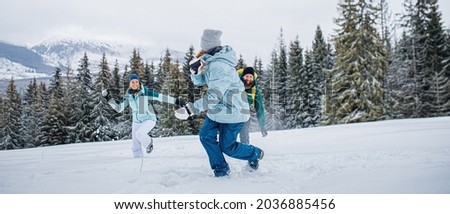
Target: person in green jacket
(255,100)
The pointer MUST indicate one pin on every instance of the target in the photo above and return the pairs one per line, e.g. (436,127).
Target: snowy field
(398,156)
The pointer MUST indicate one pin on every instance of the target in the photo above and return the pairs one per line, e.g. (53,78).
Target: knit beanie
(210,39)
(248,70)
(133,76)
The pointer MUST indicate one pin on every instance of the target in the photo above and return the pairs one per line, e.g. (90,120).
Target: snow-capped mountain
(62,52)
(41,59)
(21,63)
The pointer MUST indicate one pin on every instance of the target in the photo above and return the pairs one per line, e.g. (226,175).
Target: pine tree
(11,116)
(40,107)
(320,59)
(385,16)
(161,109)
(281,81)
(418,19)
(160,74)
(69,98)
(103,124)
(401,97)
(277,93)
(55,120)
(241,63)
(124,118)
(360,65)
(29,123)
(194,92)
(148,78)
(268,84)
(436,99)
(294,85)
(136,63)
(116,84)
(176,86)
(257,65)
(84,103)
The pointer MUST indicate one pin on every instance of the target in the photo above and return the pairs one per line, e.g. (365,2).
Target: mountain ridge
(27,62)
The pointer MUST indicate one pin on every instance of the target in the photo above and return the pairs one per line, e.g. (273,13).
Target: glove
(264,132)
(196,66)
(106,94)
(180,102)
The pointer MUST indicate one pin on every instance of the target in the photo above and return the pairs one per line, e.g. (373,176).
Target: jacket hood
(226,55)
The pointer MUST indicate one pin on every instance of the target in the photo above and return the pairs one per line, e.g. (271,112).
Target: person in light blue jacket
(225,103)
(144,118)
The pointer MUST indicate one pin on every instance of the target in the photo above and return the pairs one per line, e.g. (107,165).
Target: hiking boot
(222,174)
(254,164)
(149,148)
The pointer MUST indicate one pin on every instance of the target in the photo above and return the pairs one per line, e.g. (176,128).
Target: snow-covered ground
(398,156)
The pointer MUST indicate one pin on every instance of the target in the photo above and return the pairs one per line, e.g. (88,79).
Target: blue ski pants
(215,148)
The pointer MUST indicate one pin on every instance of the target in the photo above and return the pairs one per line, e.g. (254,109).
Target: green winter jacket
(142,109)
(255,100)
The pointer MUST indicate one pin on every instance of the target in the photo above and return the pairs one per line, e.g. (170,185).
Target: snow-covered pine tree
(159,76)
(136,64)
(176,86)
(268,85)
(12,112)
(55,119)
(329,110)
(418,18)
(103,123)
(30,124)
(276,94)
(400,85)
(83,102)
(258,65)
(162,112)
(437,98)
(446,70)
(281,76)
(70,85)
(308,93)
(360,65)
(241,63)
(116,84)
(385,25)
(148,78)
(295,83)
(40,107)
(320,55)
(194,92)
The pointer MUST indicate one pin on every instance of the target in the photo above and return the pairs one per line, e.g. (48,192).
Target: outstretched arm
(153,95)
(119,107)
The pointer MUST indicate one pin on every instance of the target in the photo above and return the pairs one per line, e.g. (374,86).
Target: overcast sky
(250,26)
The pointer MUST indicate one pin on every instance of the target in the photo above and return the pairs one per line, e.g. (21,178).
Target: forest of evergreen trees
(362,74)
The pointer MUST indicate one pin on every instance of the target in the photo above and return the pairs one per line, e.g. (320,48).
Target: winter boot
(254,164)
(149,148)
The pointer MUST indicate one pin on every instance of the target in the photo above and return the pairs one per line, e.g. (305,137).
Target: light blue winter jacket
(142,109)
(225,100)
